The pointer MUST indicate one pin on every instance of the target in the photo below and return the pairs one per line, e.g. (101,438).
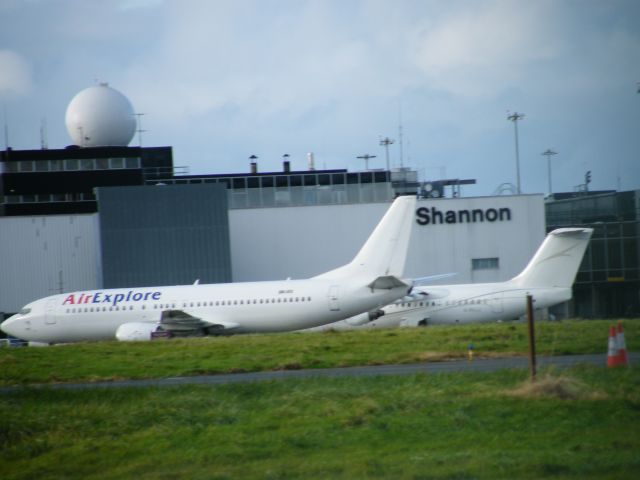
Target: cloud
(487,46)
(15,74)
(126,5)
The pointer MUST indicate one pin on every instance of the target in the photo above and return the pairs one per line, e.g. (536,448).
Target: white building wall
(44,255)
(298,242)
(450,247)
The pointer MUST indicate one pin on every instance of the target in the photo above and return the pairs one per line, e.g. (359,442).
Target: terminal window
(484,264)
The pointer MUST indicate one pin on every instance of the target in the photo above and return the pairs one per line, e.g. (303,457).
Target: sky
(220,81)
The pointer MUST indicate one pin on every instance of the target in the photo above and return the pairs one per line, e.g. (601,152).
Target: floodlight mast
(514,117)
(385,142)
(548,154)
(366,158)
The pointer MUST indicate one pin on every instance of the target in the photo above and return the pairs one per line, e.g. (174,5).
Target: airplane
(548,277)
(372,279)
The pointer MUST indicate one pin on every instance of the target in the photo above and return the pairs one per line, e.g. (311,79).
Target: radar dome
(100,116)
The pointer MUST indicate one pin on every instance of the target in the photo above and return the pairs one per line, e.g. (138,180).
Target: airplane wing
(179,321)
(431,278)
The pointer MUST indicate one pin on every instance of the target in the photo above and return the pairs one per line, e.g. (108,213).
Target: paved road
(477,365)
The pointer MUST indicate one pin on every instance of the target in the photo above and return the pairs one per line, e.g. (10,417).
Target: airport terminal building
(88,218)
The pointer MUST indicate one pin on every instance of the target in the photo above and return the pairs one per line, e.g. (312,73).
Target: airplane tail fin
(385,251)
(556,262)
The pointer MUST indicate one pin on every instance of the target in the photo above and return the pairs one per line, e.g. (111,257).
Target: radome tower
(100,116)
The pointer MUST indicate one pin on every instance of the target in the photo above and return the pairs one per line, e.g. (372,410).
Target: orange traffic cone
(622,348)
(612,354)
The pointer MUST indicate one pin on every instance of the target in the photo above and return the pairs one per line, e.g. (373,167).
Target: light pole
(385,142)
(514,117)
(548,154)
(366,158)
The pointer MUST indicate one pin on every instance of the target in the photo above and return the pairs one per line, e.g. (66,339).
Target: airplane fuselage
(254,307)
(472,303)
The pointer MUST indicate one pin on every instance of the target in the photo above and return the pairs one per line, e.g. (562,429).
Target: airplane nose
(11,326)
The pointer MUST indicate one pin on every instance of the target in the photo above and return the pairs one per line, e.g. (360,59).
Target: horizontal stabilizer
(431,278)
(386,283)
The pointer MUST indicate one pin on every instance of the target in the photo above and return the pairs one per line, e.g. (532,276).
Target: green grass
(114,360)
(444,426)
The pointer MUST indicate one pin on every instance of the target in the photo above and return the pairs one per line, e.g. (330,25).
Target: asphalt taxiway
(477,365)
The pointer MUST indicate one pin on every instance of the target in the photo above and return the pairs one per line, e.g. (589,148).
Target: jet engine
(364,318)
(136,331)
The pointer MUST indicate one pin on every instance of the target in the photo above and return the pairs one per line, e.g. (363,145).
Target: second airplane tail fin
(385,251)
(556,262)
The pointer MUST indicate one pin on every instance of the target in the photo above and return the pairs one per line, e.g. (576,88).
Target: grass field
(114,360)
(581,423)
(445,426)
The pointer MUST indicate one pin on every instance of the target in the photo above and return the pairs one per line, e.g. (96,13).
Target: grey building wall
(45,255)
(164,235)
(608,283)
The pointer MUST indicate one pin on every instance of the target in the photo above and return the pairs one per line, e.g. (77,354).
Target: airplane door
(50,312)
(496,303)
(333,296)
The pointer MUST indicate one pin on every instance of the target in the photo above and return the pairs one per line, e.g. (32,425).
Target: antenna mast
(6,128)
(44,144)
(140,130)
(400,133)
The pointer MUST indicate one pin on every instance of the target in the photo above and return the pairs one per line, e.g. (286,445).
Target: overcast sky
(222,80)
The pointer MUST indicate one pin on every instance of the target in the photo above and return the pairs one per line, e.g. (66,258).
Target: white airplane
(371,280)
(548,278)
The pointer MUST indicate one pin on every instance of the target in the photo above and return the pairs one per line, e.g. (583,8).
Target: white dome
(100,116)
